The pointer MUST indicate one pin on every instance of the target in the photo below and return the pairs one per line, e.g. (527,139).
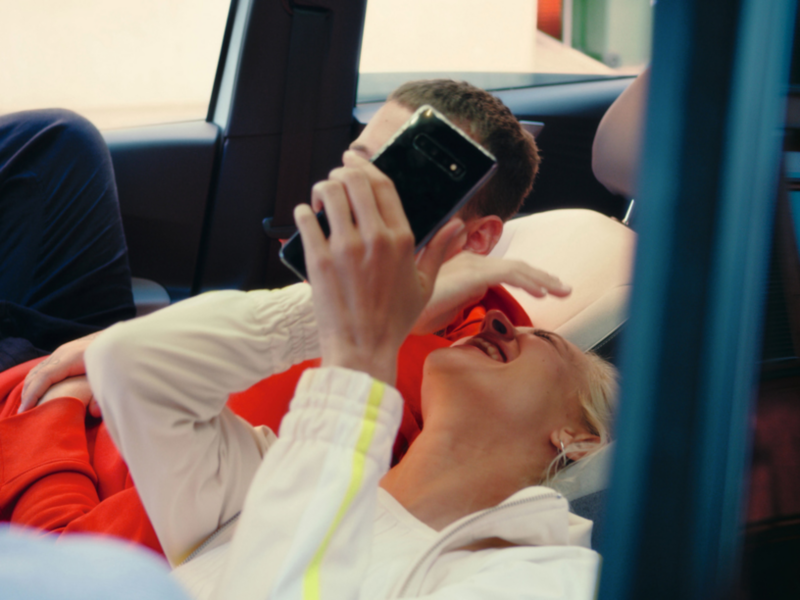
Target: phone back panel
(435,168)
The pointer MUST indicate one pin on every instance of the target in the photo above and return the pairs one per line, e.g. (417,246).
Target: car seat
(585,249)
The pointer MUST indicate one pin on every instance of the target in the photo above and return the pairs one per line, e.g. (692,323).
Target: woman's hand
(66,361)
(466,278)
(368,290)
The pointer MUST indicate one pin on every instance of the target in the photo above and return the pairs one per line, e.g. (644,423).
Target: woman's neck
(444,476)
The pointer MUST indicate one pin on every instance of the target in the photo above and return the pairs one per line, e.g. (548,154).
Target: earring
(564,458)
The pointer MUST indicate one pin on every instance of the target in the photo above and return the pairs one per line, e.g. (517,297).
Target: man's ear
(483,233)
(577,443)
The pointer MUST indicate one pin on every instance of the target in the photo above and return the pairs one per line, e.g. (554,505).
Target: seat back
(585,249)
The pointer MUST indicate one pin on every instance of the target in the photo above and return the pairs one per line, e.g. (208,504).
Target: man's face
(386,122)
(481,233)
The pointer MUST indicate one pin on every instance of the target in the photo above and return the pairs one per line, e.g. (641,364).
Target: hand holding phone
(435,167)
(367,287)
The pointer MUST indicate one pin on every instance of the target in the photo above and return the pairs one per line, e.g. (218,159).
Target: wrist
(379,365)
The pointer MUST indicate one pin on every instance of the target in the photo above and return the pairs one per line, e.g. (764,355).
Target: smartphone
(436,168)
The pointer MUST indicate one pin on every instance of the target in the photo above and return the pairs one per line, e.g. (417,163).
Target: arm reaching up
(465,279)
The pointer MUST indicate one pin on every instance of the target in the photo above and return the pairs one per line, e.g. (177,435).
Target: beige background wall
(104,58)
(449,35)
(128,62)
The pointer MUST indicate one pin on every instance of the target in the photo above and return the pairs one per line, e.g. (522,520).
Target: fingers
(361,195)
(349,195)
(548,283)
(485,272)
(534,281)
(311,236)
(36,384)
(361,205)
(94,408)
(46,374)
(386,198)
(66,361)
(332,197)
(359,189)
(442,246)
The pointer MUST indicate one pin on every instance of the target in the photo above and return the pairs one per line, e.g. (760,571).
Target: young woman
(314,513)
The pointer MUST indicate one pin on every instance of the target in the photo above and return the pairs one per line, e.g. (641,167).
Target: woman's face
(513,376)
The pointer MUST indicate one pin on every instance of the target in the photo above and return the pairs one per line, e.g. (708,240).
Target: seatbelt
(308,48)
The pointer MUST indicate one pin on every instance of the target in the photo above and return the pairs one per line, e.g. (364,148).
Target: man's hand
(66,361)
(466,278)
(368,291)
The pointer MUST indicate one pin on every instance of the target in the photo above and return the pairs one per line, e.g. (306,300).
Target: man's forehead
(381,127)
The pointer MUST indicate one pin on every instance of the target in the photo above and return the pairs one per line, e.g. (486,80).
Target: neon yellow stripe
(311,581)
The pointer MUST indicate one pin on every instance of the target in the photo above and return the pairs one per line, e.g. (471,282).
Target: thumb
(443,246)
(94,408)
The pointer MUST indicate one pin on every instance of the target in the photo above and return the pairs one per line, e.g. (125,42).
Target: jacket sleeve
(162,382)
(306,527)
(44,458)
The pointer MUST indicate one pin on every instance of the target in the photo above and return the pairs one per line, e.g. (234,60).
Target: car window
(117,62)
(501,44)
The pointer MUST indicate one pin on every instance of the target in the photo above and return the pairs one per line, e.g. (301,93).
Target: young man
(65,477)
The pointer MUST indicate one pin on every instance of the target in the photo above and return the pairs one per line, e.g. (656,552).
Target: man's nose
(496,322)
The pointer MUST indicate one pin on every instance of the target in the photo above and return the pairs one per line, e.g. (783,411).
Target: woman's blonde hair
(597,396)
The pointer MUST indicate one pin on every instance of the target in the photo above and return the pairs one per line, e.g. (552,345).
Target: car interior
(193,195)
(205,204)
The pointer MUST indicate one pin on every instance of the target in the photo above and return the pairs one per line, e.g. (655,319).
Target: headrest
(617,144)
(586,476)
(586,250)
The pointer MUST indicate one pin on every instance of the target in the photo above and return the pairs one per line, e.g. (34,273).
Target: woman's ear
(576,443)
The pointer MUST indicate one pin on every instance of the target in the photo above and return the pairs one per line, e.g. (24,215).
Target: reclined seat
(587,250)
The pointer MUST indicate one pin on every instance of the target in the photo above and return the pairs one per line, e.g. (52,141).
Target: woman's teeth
(490,349)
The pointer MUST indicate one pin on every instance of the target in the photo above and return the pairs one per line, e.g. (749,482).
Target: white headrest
(586,476)
(586,250)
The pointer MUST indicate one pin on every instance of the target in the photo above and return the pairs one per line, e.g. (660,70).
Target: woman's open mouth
(491,350)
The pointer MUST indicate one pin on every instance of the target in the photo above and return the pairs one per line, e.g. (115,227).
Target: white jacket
(309,499)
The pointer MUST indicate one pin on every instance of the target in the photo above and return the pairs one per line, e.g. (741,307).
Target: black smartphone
(436,168)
